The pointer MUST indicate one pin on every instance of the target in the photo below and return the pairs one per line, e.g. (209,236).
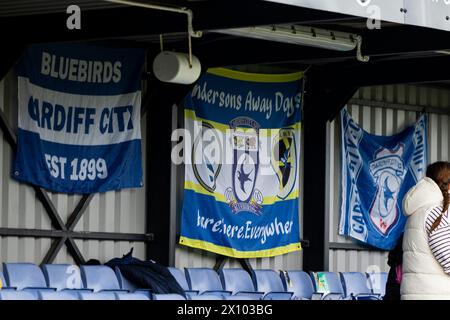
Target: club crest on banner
(242,195)
(206,155)
(284,161)
(388,171)
(377,172)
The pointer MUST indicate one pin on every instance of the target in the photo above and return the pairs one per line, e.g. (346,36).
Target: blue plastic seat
(24,275)
(16,295)
(269,282)
(377,282)
(333,289)
(3,283)
(131,296)
(240,297)
(62,276)
(180,277)
(100,278)
(239,282)
(356,285)
(103,295)
(124,283)
(298,282)
(129,286)
(59,295)
(205,281)
(169,296)
(208,297)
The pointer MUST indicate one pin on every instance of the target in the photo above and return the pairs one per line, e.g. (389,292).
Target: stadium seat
(62,276)
(377,282)
(103,295)
(356,285)
(208,297)
(170,296)
(205,281)
(335,291)
(59,295)
(269,282)
(124,283)
(181,279)
(24,275)
(3,284)
(239,282)
(100,278)
(129,286)
(131,296)
(299,282)
(16,295)
(240,297)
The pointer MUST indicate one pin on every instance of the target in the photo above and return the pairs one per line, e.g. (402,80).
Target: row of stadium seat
(25,281)
(285,285)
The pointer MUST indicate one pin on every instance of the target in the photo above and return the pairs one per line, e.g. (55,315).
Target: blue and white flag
(241,192)
(377,171)
(79,118)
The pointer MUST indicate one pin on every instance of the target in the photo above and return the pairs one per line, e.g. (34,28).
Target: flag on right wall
(377,171)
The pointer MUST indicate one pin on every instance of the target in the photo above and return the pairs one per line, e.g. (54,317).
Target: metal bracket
(359,55)
(188,12)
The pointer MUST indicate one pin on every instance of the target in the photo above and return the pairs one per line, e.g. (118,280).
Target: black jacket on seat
(146,274)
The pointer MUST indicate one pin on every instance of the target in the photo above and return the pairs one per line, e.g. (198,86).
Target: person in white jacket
(426,241)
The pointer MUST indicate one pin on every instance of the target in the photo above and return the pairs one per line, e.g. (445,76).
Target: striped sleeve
(439,239)
(432,216)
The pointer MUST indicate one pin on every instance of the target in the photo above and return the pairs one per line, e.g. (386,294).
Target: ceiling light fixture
(301,35)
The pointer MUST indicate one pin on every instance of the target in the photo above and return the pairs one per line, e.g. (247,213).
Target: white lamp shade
(174,67)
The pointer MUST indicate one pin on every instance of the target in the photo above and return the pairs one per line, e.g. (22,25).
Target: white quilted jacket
(423,277)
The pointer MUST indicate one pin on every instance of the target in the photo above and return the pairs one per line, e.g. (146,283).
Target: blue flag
(241,191)
(377,171)
(79,118)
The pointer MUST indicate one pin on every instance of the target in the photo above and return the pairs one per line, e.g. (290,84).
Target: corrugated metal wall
(122,211)
(381,121)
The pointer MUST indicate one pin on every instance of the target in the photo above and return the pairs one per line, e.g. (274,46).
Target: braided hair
(439,172)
